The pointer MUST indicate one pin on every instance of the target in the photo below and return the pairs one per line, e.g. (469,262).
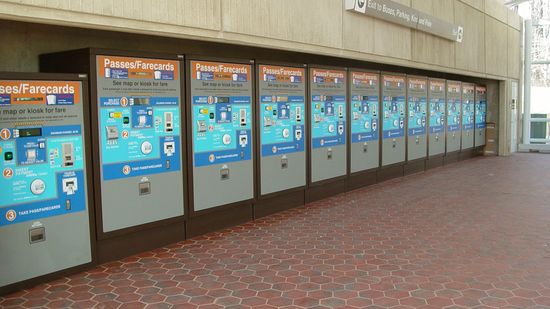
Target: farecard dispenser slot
(224,172)
(329,154)
(284,162)
(365,147)
(144,188)
(37,235)
(394,143)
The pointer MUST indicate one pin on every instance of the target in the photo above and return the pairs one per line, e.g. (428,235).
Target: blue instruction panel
(437,107)
(281,122)
(393,107)
(222,123)
(282,110)
(453,106)
(364,108)
(481,107)
(43,168)
(468,106)
(328,112)
(417,106)
(139,116)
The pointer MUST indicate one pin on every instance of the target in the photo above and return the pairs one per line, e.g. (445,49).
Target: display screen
(30,132)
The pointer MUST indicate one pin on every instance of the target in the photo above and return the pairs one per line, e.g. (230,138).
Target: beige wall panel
(470,54)
(514,49)
(392,40)
(358,34)
(478,4)
(314,26)
(497,9)
(404,2)
(428,48)
(496,47)
(286,20)
(514,20)
(191,13)
(443,9)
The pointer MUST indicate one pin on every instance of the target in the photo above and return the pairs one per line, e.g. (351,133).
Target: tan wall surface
(314,26)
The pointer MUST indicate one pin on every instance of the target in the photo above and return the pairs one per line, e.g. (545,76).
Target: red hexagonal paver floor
(472,234)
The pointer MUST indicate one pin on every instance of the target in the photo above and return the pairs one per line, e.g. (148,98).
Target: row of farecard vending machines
(109,153)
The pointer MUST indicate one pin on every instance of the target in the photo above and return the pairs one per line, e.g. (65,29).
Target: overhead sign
(406,16)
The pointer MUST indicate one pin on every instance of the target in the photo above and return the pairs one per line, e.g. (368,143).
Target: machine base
(390,172)
(451,157)
(219,218)
(415,166)
(362,179)
(117,247)
(434,162)
(466,154)
(274,204)
(325,189)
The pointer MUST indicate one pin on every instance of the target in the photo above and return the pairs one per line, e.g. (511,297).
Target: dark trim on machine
(85,61)
(266,204)
(83,78)
(204,221)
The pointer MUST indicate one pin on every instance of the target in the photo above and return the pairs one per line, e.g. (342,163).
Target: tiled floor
(472,234)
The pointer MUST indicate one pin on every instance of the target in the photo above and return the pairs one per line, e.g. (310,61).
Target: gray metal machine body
(44,222)
(436,98)
(480,116)
(365,120)
(468,108)
(282,118)
(417,110)
(222,136)
(140,131)
(394,117)
(328,108)
(454,103)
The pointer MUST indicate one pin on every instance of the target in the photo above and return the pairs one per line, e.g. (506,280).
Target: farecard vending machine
(417,110)
(394,117)
(454,103)
(480,115)
(328,110)
(365,120)
(138,146)
(281,111)
(221,125)
(436,98)
(45,204)
(468,106)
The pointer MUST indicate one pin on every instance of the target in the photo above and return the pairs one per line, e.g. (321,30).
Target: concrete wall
(490,48)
